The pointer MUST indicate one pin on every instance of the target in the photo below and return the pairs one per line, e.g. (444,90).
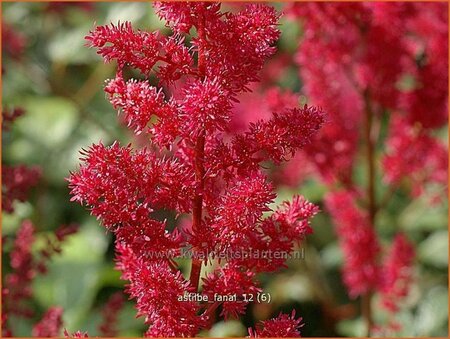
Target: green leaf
(434,249)
(49,121)
(126,12)
(419,215)
(332,256)
(11,222)
(352,327)
(231,328)
(73,278)
(432,314)
(69,47)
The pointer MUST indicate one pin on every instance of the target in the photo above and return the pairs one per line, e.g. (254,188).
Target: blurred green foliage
(59,83)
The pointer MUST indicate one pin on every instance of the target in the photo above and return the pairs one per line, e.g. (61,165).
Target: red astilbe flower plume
(289,225)
(50,324)
(13,42)
(396,272)
(16,184)
(280,136)
(229,281)
(137,49)
(182,16)
(278,233)
(195,163)
(137,100)
(358,240)
(395,281)
(351,49)
(283,326)
(141,50)
(206,104)
(110,314)
(17,287)
(240,208)
(157,289)
(77,334)
(367,64)
(120,185)
(427,102)
(414,156)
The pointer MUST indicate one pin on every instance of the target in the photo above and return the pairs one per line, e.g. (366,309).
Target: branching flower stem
(370,158)
(196,265)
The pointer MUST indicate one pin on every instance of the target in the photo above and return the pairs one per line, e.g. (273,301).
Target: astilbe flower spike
(351,49)
(25,265)
(17,181)
(414,156)
(50,324)
(110,314)
(17,286)
(396,272)
(194,165)
(395,281)
(14,42)
(77,334)
(157,288)
(366,64)
(359,243)
(283,326)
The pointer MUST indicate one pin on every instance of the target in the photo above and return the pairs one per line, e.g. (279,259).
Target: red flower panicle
(396,272)
(206,104)
(77,334)
(359,243)
(110,314)
(17,288)
(414,156)
(195,164)
(283,326)
(137,100)
(16,184)
(231,281)
(285,133)
(360,53)
(239,210)
(13,42)
(157,289)
(427,101)
(50,324)
(366,64)
(395,282)
(53,245)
